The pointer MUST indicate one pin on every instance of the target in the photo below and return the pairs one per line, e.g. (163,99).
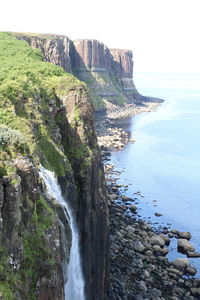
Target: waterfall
(74,288)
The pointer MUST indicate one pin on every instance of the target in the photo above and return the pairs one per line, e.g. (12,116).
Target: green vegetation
(28,94)
(34,253)
(35,250)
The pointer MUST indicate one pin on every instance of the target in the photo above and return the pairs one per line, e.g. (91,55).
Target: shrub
(11,138)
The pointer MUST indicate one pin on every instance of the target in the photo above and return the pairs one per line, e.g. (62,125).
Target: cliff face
(54,48)
(107,72)
(47,119)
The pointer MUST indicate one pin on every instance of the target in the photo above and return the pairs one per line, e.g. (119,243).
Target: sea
(162,167)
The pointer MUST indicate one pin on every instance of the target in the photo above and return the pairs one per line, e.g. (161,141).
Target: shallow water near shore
(164,162)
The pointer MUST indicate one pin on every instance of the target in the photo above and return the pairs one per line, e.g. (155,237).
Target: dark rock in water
(193,254)
(181,263)
(133,208)
(158,214)
(174,231)
(170,235)
(184,246)
(125,198)
(184,235)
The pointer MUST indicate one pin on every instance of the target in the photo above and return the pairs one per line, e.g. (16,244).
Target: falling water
(74,288)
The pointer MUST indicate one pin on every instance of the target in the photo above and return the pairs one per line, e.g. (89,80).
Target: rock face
(32,253)
(108,72)
(55,49)
(123,65)
(91,55)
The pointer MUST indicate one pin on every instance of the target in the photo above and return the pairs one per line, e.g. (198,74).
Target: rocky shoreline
(138,266)
(109,136)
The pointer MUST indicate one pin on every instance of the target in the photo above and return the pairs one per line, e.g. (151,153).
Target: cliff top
(39,35)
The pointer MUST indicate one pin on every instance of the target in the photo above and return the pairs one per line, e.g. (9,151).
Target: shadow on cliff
(85,189)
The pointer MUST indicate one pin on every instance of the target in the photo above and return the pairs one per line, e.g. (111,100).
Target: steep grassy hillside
(24,123)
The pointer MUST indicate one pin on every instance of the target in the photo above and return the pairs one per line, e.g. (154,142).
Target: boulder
(193,254)
(126,198)
(184,246)
(133,208)
(195,292)
(157,240)
(184,235)
(191,271)
(181,263)
(165,238)
(157,214)
(138,246)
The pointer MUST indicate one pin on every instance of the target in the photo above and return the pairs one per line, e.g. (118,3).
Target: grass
(29,89)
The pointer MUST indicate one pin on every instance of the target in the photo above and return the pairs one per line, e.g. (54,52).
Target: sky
(163,34)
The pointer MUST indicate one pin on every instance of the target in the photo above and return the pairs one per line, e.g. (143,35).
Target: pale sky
(164,35)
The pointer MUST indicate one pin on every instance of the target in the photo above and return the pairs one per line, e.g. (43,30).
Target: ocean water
(164,162)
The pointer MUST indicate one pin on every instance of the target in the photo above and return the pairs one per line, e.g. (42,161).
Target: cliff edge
(107,72)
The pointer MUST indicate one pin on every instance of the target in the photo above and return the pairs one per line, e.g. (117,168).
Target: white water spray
(74,288)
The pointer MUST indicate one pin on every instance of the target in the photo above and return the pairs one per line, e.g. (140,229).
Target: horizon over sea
(164,162)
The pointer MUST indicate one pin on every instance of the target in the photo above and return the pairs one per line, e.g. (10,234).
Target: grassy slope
(28,88)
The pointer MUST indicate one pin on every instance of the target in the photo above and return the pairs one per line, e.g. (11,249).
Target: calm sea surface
(164,162)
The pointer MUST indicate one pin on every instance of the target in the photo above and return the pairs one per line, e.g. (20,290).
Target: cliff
(46,118)
(107,72)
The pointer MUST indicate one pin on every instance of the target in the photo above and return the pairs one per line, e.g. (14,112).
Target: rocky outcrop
(123,66)
(91,55)
(108,72)
(54,48)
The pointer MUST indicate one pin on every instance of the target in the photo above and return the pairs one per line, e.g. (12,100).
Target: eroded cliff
(107,72)
(46,118)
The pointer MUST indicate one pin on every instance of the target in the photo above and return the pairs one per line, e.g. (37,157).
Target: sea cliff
(107,72)
(46,118)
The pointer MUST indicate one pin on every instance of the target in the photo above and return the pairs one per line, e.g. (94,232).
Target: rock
(142,286)
(157,240)
(174,231)
(174,271)
(146,274)
(165,238)
(170,235)
(191,271)
(148,253)
(158,214)
(184,235)
(113,197)
(156,293)
(133,208)
(130,230)
(125,198)
(181,263)
(193,254)
(164,251)
(185,246)
(195,292)
(156,248)
(138,246)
